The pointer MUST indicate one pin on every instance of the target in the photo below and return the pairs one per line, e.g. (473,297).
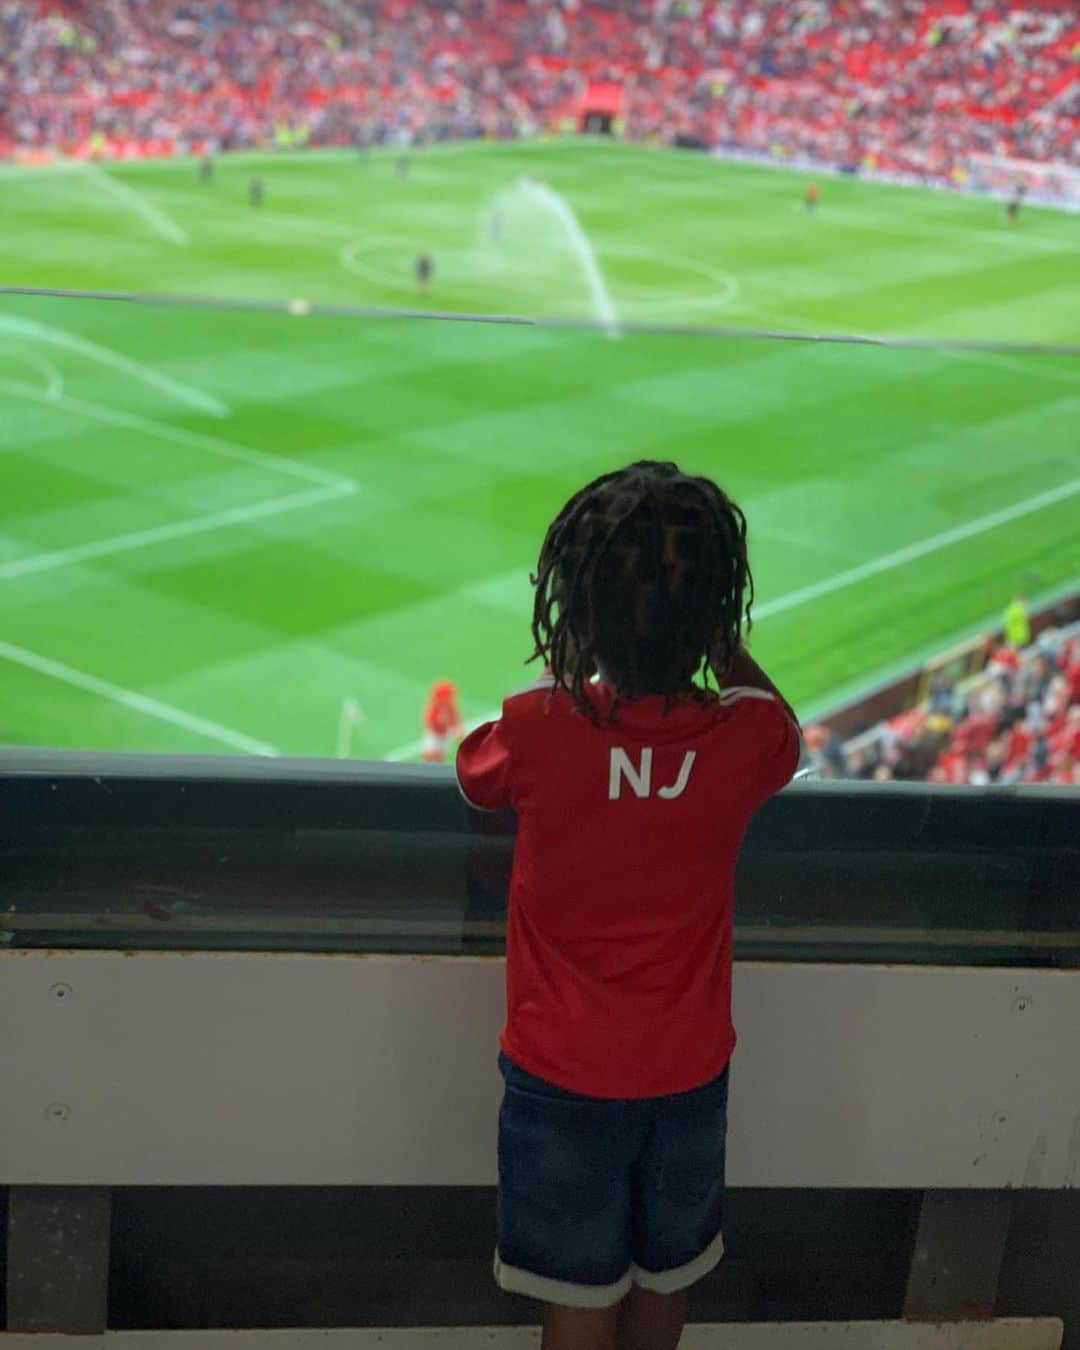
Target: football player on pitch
(441,720)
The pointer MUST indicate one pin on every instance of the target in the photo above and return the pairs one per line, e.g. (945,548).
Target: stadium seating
(917,86)
(1017,722)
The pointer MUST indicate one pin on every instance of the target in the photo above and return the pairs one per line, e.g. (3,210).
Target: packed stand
(912,85)
(1018,722)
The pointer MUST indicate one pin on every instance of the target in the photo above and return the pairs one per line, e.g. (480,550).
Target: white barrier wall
(231,1068)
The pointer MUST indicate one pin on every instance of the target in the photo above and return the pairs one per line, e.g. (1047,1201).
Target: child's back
(620,921)
(633,786)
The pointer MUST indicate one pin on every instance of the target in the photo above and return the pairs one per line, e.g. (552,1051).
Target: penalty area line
(180,529)
(135,702)
(125,365)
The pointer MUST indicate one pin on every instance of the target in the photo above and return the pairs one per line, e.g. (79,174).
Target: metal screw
(59,992)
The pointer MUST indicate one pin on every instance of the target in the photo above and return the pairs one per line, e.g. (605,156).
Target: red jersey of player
(810,197)
(441,720)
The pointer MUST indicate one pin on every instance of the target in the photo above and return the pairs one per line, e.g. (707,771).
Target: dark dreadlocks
(645,573)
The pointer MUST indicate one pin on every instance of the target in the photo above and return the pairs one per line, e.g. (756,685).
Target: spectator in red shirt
(632,785)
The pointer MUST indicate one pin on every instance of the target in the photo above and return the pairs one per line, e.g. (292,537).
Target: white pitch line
(128,698)
(54,381)
(137,202)
(351,258)
(922,549)
(885,563)
(106,356)
(182,436)
(159,534)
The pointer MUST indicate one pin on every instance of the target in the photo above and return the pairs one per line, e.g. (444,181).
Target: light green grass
(362,517)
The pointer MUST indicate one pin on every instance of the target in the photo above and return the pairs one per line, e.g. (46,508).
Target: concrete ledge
(1010,1333)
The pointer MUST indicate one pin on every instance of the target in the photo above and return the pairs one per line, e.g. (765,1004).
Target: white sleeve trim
(487,810)
(737,691)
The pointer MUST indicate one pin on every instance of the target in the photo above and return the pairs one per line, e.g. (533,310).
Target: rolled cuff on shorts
(682,1277)
(517,1281)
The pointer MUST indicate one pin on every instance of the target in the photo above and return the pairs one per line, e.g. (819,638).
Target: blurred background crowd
(917,86)
(1017,721)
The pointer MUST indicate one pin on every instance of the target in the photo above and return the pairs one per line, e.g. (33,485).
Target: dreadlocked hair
(645,573)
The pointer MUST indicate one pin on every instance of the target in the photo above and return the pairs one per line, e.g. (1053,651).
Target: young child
(632,793)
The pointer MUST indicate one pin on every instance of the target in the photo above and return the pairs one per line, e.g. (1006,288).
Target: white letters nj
(621,766)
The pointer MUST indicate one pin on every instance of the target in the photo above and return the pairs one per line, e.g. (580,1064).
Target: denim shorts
(598,1194)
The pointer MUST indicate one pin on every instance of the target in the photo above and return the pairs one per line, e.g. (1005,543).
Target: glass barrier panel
(143,852)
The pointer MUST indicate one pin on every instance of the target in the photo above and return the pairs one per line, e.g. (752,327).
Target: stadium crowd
(1019,722)
(913,85)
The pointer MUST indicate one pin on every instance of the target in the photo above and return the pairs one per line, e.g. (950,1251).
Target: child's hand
(745,670)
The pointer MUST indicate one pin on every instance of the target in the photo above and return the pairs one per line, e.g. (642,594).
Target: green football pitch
(218,523)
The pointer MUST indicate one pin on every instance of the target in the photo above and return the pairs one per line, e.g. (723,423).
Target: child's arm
(788,760)
(744,670)
(482,764)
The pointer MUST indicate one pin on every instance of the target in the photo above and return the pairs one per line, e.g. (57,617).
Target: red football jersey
(619,930)
(441,716)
